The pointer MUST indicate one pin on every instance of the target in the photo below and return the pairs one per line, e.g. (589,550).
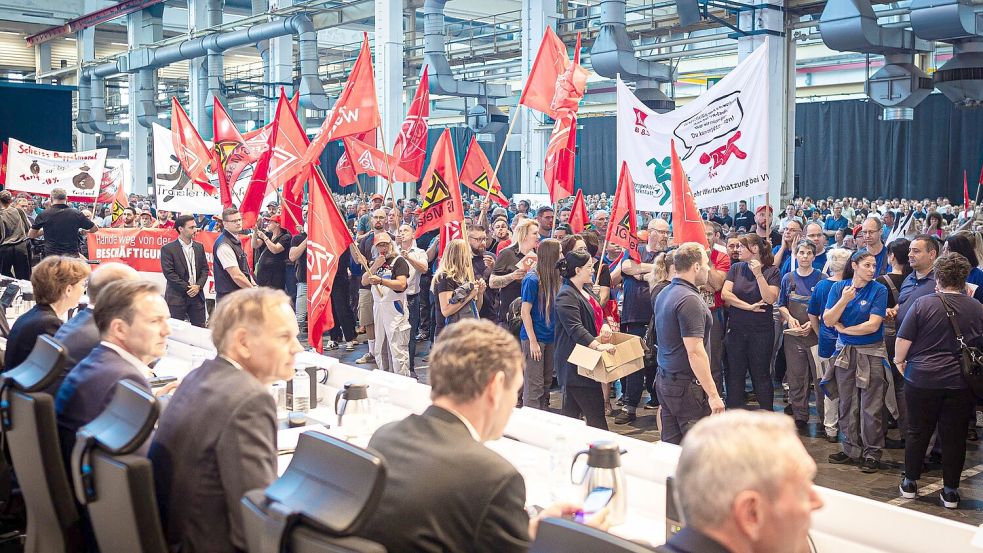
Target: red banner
(140,248)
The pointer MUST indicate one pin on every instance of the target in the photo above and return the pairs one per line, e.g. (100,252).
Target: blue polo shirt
(819,263)
(911,289)
(803,286)
(833,224)
(881,267)
(530,294)
(870,300)
(827,335)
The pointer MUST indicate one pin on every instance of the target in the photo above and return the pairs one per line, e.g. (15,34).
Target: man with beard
(483,262)
(365,247)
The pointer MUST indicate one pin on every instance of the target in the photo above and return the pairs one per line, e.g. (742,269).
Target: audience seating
(558,535)
(324,497)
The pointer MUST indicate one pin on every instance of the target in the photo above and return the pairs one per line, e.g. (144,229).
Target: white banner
(35,170)
(721,138)
(174,188)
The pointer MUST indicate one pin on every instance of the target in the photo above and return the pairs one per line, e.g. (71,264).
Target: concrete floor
(881,486)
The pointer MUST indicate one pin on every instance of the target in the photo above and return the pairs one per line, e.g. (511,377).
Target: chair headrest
(126,422)
(558,535)
(41,367)
(333,485)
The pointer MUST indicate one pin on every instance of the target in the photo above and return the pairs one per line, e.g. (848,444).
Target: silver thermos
(353,401)
(603,470)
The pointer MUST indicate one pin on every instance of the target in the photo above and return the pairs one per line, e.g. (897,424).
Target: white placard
(38,171)
(721,138)
(174,188)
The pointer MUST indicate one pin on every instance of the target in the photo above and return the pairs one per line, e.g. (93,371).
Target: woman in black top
(270,251)
(579,321)
(58,283)
(936,393)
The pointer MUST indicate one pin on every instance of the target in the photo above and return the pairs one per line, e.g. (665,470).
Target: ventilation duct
(258,7)
(955,22)
(442,80)
(899,86)
(613,54)
(213,66)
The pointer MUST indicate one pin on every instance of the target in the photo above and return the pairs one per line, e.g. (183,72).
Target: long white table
(846,524)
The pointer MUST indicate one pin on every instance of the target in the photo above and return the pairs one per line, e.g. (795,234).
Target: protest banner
(38,171)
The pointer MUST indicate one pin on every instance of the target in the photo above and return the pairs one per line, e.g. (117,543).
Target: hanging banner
(114,176)
(36,170)
(175,189)
(722,139)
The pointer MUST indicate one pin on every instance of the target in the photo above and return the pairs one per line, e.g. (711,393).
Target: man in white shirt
(416,258)
(185,268)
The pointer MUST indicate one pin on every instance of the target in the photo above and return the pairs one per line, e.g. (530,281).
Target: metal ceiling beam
(91,19)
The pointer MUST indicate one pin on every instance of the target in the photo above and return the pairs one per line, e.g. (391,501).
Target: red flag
(190,149)
(551,62)
(373,161)
(112,180)
(561,155)
(120,203)
(441,190)
(411,144)
(578,214)
(344,169)
(687,224)
(623,229)
(477,173)
(965,195)
(295,102)
(571,85)
(449,231)
(3,164)
(231,151)
(327,240)
(356,111)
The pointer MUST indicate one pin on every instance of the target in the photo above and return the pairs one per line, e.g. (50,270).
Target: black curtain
(40,115)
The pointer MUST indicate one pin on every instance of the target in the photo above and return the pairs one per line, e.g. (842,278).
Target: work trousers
(749,352)
(862,411)
(947,410)
(831,407)
(392,332)
(426,306)
(801,370)
(683,403)
(414,306)
(585,402)
(644,378)
(538,376)
(15,261)
(717,329)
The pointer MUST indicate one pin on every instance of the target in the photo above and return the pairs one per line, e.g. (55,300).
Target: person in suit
(477,503)
(186,270)
(132,320)
(58,283)
(764,499)
(579,320)
(217,438)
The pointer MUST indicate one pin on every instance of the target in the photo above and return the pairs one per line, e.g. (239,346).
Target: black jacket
(689,540)
(38,320)
(574,325)
(175,268)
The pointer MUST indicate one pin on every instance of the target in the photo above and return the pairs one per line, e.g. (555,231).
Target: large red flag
(561,153)
(623,229)
(687,224)
(373,161)
(356,111)
(965,195)
(477,174)
(327,240)
(112,180)
(551,62)
(190,149)
(571,85)
(411,145)
(578,214)
(231,151)
(441,190)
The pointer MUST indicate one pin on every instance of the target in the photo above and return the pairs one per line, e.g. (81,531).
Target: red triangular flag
(120,203)
(571,85)
(288,146)
(3,164)
(327,240)
(477,174)
(551,61)
(410,150)
(687,224)
(561,152)
(449,231)
(373,161)
(231,151)
(190,149)
(295,102)
(441,190)
(578,214)
(344,168)
(112,180)
(623,229)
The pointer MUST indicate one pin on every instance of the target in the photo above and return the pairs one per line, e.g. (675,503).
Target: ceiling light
(15,33)
(119,44)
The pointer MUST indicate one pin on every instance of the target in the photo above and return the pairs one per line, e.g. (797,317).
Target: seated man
(445,491)
(217,438)
(756,495)
(132,320)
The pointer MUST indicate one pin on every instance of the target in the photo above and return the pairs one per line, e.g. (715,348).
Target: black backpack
(513,317)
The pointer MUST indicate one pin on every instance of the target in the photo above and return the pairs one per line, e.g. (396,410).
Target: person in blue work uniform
(874,240)
(922,252)
(855,308)
(826,346)
(785,252)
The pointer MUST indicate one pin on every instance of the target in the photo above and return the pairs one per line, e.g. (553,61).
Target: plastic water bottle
(301,391)
(559,478)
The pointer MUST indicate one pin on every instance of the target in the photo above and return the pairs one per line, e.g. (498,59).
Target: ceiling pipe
(955,22)
(97,120)
(258,7)
(442,79)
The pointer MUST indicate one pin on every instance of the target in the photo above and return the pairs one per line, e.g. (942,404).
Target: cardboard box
(626,358)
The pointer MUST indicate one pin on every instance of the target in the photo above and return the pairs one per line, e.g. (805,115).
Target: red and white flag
(327,240)
(551,62)
(561,154)
(578,214)
(410,149)
(344,168)
(477,174)
(232,152)
(687,224)
(623,229)
(374,162)
(441,190)
(191,151)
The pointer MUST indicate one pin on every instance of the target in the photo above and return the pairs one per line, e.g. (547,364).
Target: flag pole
(768,213)
(505,146)
(556,218)
(389,172)
(327,190)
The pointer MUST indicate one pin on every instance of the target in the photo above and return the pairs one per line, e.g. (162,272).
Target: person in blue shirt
(785,252)
(838,260)
(922,252)
(963,243)
(835,222)
(855,308)
(538,312)
(814,234)
(874,244)
(800,336)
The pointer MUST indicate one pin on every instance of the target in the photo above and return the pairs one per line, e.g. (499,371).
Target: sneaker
(869,466)
(909,489)
(621,403)
(613,411)
(365,359)
(350,346)
(841,458)
(973,435)
(651,404)
(979,418)
(422,337)
(625,417)
(950,500)
(832,438)
(331,345)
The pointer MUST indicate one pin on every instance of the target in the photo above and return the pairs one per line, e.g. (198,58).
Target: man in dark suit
(186,270)
(762,502)
(217,438)
(476,503)
(132,320)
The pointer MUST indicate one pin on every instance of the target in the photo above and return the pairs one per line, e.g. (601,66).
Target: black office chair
(115,485)
(559,535)
(27,416)
(327,494)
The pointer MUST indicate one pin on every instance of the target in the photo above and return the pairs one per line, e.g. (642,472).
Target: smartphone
(159,381)
(596,500)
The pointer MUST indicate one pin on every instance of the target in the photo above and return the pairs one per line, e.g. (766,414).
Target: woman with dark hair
(935,391)
(579,321)
(855,308)
(750,291)
(539,289)
(934,224)
(897,258)
(964,243)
